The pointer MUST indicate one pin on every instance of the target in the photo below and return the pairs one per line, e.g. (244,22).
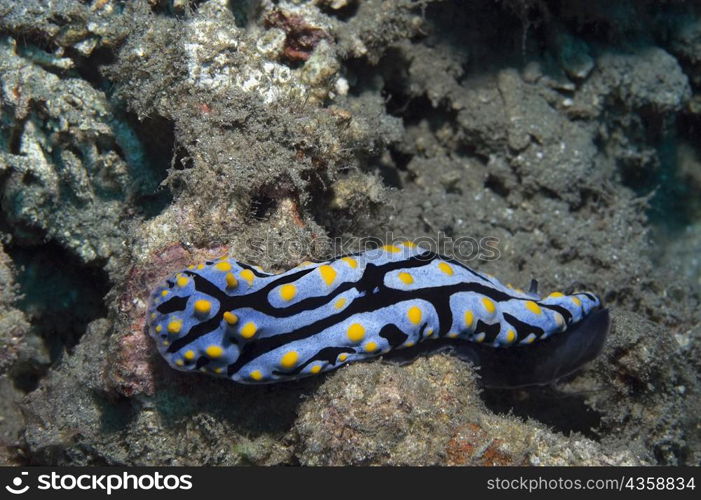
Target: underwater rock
(426,413)
(71,165)
(68,24)
(642,377)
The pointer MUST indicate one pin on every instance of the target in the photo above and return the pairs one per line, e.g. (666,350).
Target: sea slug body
(233,320)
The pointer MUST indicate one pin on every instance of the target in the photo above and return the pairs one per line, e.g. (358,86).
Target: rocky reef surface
(139,137)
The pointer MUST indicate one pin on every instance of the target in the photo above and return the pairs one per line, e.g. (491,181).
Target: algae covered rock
(71,164)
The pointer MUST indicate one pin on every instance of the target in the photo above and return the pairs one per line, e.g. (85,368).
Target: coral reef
(72,167)
(378,414)
(18,351)
(137,138)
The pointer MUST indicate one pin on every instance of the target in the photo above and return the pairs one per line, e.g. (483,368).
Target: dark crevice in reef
(362,74)
(157,137)
(26,376)
(490,38)
(165,8)
(15,137)
(676,202)
(60,295)
(673,203)
(89,67)
(411,110)
(563,412)
(115,415)
(262,206)
(325,214)
(496,185)
(400,158)
(390,176)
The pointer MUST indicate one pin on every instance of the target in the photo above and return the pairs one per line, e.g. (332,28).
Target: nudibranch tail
(233,320)
(553,359)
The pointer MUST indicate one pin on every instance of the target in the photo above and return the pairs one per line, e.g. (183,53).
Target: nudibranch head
(187,320)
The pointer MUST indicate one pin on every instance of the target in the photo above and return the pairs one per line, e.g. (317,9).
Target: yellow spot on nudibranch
(182,281)
(189,355)
(256,375)
(414,314)
(289,359)
(175,326)
(340,303)
(576,301)
(248,330)
(200,266)
(214,351)
(529,339)
(510,336)
(328,274)
(391,249)
(159,328)
(191,266)
(342,357)
(218,369)
(165,343)
(248,276)
(533,307)
(556,295)
(489,305)
(350,261)
(370,346)
(453,335)
(469,319)
(405,278)
(315,369)
(179,362)
(288,292)
(222,266)
(356,332)
(429,332)
(164,293)
(202,307)
(480,337)
(411,343)
(230,318)
(446,268)
(231,281)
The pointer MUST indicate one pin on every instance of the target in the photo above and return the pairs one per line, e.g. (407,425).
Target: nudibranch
(230,319)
